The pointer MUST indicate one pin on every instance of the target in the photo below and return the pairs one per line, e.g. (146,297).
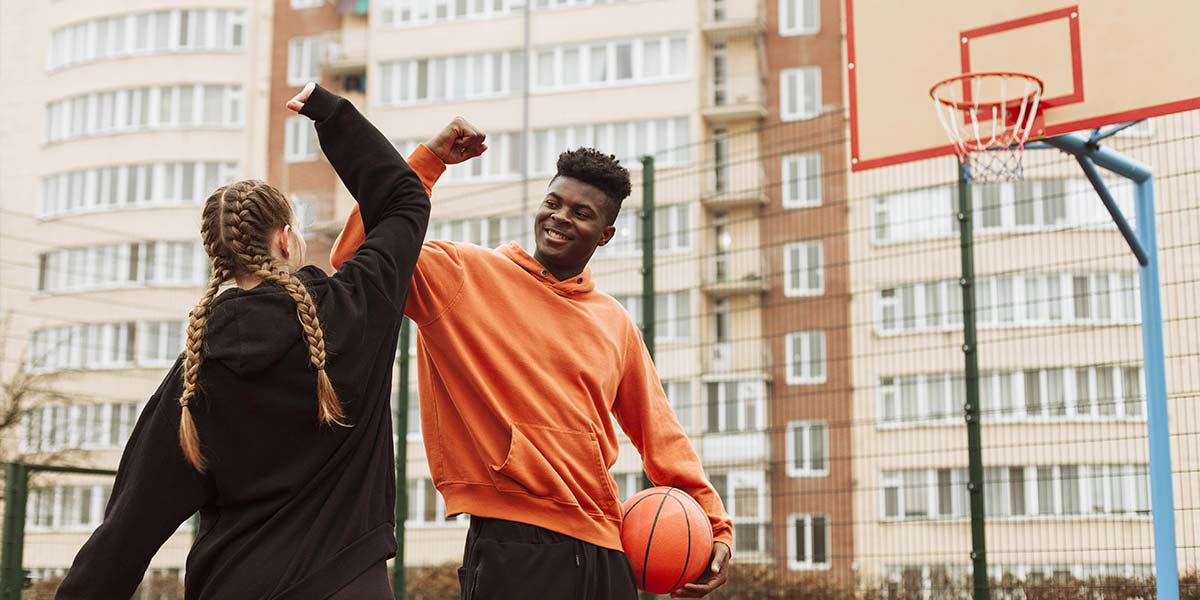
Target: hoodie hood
(579,284)
(250,330)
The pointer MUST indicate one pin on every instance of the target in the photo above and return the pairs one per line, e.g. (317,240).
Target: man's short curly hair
(600,170)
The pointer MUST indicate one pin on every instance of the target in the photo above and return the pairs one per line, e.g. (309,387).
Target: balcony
(734,273)
(739,448)
(734,98)
(727,19)
(345,50)
(750,357)
(732,185)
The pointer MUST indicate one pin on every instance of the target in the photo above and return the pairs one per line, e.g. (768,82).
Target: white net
(989,117)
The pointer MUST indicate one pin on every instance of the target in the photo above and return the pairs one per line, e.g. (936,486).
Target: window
(1045,204)
(628,484)
(300,143)
(160,342)
(51,428)
(679,395)
(735,406)
(304,60)
(179,30)
(1021,492)
(745,496)
(801,180)
(554,68)
(66,507)
(808,541)
(628,140)
(426,508)
(111,266)
(128,110)
(912,215)
(672,226)
(799,17)
(672,314)
(302,4)
(807,449)
(800,95)
(806,357)
(131,186)
(1040,299)
(803,268)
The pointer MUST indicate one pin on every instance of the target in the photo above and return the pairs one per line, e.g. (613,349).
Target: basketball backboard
(1102,62)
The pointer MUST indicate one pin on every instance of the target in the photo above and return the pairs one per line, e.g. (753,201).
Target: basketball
(666,537)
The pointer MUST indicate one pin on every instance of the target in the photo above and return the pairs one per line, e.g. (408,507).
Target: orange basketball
(667,539)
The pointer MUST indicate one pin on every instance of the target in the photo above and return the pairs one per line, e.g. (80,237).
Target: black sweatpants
(505,560)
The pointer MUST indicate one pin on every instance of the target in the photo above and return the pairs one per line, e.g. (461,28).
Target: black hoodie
(288,509)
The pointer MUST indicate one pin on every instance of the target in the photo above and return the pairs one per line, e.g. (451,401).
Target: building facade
(128,114)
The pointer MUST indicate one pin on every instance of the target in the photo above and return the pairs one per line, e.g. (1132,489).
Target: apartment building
(1061,379)
(121,118)
(806,309)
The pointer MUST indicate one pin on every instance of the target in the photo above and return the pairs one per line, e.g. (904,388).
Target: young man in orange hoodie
(521,362)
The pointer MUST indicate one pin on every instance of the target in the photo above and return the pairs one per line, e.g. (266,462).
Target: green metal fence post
(398,579)
(12,544)
(648,252)
(971,412)
(647,274)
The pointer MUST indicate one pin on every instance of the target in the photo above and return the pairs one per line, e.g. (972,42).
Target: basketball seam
(687,558)
(650,538)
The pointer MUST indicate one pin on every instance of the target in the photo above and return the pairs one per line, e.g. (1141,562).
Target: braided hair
(236,227)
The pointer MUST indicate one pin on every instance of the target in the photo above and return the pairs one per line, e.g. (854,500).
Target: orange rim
(971,105)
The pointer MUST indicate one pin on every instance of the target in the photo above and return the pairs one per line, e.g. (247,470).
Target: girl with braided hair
(274,424)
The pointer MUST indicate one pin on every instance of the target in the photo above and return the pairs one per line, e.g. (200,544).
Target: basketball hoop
(988,117)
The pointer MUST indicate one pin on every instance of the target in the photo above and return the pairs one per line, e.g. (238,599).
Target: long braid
(236,226)
(245,220)
(189,437)
(306,310)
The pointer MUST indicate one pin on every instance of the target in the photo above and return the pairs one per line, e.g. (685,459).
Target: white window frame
(793,288)
(299,130)
(807,470)
(304,59)
(786,10)
(808,564)
(803,378)
(745,388)
(439,521)
(82,42)
(685,408)
(795,190)
(792,81)
(306,4)
(758,480)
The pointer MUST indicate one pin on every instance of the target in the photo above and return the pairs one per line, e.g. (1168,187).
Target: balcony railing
(346,49)
(735,183)
(725,19)
(748,356)
(735,272)
(736,98)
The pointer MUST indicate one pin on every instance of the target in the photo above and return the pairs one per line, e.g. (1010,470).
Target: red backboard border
(858,164)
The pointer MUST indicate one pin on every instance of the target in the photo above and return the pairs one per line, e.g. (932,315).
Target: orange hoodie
(519,373)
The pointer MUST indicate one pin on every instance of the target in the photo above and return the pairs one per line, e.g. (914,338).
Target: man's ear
(609,232)
(284,238)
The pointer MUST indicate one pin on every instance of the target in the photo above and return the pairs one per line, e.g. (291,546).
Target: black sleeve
(155,491)
(390,196)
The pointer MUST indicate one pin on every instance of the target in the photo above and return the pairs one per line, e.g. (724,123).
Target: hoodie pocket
(557,464)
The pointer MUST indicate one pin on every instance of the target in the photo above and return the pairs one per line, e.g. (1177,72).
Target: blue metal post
(1161,492)
(1162,504)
